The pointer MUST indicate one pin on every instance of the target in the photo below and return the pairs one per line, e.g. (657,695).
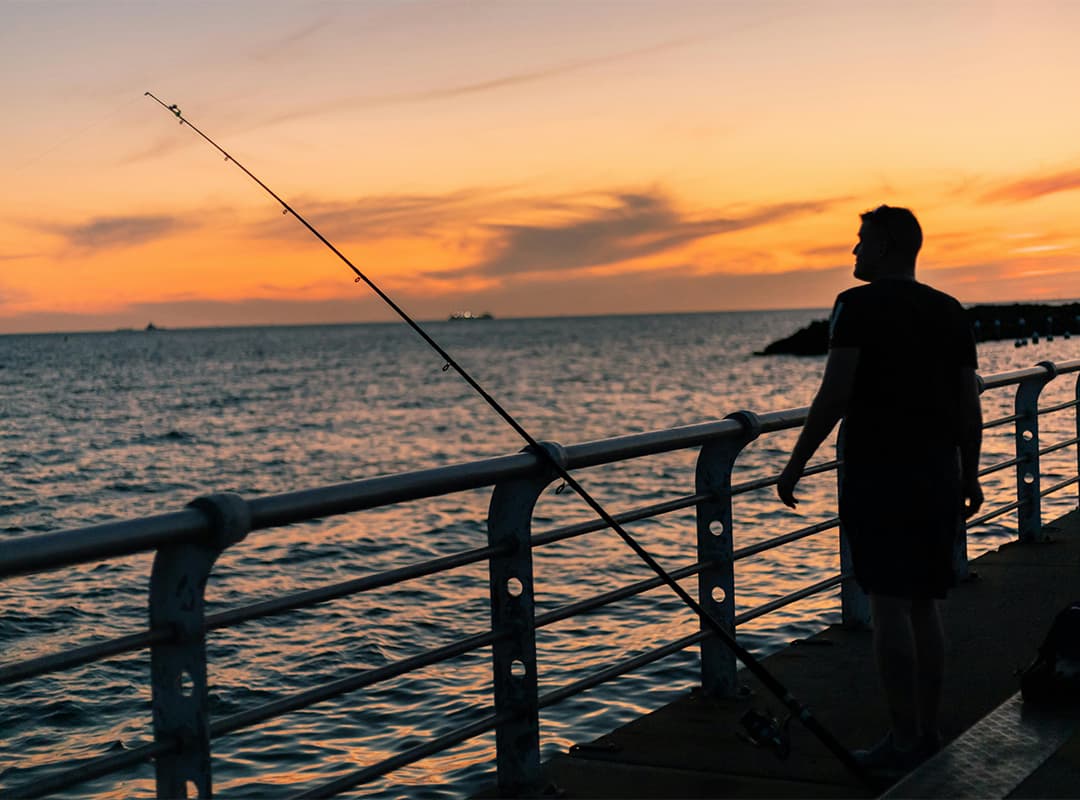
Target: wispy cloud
(630,226)
(496,83)
(103,233)
(595,229)
(1034,186)
(386,216)
(280,46)
(425,95)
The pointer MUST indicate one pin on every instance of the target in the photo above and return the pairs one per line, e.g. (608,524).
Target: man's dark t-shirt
(913,343)
(900,495)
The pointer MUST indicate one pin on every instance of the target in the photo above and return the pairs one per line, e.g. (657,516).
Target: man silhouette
(901,374)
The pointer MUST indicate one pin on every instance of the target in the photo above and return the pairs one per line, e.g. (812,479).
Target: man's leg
(929,636)
(894,648)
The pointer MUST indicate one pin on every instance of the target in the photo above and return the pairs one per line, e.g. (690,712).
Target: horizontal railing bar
(995,513)
(794,536)
(1014,377)
(90,653)
(1012,462)
(994,423)
(94,768)
(1060,445)
(244,719)
(570,531)
(65,548)
(688,501)
(404,758)
(328,691)
(636,445)
(22,554)
(788,599)
(592,603)
(1058,407)
(1057,486)
(43,551)
(10,673)
(551,698)
(1063,367)
(77,657)
(563,693)
(761,483)
(556,696)
(380,580)
(668,506)
(300,506)
(615,670)
(621,448)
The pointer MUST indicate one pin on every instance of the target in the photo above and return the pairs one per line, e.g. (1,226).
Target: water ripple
(142,424)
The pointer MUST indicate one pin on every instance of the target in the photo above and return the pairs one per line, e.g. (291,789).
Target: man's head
(889,241)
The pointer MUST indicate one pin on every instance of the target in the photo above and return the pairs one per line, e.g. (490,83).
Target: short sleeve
(845,324)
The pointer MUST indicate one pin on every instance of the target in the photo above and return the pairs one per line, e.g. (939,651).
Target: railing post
(180,697)
(1029,511)
(854,603)
(517,736)
(715,545)
(1076,394)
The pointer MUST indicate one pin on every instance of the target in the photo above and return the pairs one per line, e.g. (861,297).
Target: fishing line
(796,709)
(72,136)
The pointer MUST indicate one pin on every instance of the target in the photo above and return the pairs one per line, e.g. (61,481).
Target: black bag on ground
(1053,678)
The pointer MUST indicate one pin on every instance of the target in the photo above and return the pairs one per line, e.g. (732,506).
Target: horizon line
(167,328)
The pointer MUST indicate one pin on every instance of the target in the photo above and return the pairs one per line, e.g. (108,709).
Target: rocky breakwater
(1021,322)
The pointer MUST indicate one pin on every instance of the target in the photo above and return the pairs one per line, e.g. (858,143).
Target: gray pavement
(692,747)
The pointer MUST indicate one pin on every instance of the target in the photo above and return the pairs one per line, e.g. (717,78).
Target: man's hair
(901,229)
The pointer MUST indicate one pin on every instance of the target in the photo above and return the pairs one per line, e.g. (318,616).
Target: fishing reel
(763,730)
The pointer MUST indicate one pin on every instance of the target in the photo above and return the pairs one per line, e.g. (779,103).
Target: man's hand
(973,497)
(785,486)
(826,410)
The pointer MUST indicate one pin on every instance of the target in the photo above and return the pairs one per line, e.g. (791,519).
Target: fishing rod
(795,708)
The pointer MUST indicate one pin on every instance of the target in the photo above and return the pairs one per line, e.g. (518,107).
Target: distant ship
(150,326)
(468,315)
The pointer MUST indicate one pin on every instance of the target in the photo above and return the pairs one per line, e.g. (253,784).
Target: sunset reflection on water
(147,423)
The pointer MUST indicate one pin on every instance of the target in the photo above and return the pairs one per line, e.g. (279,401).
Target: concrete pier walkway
(692,747)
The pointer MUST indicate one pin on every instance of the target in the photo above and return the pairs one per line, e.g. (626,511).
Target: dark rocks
(1019,322)
(813,340)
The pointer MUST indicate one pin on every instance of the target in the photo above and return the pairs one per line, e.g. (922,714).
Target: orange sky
(527,158)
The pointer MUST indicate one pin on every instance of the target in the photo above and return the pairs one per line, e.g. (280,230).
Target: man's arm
(970,441)
(828,407)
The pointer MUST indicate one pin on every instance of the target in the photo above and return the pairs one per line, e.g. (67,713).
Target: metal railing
(186,544)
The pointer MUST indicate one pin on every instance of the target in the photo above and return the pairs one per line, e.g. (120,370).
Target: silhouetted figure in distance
(901,374)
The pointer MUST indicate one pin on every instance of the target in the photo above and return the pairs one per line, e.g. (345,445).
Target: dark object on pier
(989,323)
(762,730)
(1053,678)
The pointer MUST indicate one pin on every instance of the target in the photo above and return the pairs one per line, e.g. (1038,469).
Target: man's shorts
(902,519)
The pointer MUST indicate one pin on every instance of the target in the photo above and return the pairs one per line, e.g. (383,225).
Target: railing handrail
(36,552)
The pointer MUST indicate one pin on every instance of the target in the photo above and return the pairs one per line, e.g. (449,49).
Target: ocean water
(107,426)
